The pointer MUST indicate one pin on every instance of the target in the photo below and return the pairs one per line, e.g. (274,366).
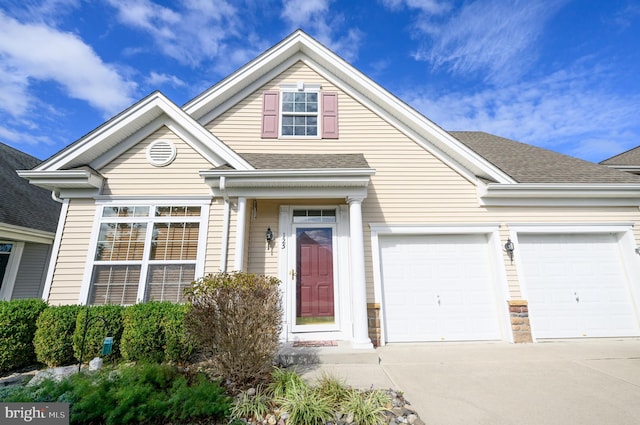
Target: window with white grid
(145,253)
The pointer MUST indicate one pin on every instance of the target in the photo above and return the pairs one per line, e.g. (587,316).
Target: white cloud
(43,11)
(198,31)
(492,36)
(315,17)
(434,7)
(155,79)
(38,52)
(565,111)
(14,94)
(493,39)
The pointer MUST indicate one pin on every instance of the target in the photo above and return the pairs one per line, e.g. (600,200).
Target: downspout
(56,196)
(225,225)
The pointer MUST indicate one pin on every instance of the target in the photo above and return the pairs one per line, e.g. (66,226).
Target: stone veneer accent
(373,319)
(520,326)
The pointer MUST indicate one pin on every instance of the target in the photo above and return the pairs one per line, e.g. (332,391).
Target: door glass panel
(314,271)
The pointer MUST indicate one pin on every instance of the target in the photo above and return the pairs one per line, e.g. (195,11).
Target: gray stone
(412,419)
(95,364)
(56,373)
(349,418)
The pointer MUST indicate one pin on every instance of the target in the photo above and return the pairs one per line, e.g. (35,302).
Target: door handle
(438,297)
(577,296)
(292,273)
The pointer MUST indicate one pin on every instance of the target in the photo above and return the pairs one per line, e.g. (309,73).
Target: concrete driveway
(561,382)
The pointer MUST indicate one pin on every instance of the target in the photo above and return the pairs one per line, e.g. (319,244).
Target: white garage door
(576,286)
(437,288)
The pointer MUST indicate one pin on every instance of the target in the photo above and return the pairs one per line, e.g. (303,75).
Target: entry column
(358,282)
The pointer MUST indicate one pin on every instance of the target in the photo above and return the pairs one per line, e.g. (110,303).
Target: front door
(314,276)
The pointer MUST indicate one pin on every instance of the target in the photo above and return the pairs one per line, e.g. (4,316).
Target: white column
(358,282)
(238,263)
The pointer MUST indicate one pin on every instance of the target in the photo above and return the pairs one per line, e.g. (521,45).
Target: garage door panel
(588,296)
(437,287)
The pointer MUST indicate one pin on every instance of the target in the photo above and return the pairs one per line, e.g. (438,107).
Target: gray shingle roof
(630,157)
(21,203)
(269,161)
(531,164)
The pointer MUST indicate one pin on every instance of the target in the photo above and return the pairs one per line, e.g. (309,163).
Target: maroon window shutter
(270,108)
(329,115)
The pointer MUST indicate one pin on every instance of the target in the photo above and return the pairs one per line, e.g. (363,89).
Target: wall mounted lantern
(269,234)
(509,248)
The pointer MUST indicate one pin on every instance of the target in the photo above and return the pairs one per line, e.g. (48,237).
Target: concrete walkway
(584,382)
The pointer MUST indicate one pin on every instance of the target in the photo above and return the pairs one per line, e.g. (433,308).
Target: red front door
(314,289)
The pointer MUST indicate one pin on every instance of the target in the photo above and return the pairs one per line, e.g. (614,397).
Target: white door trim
(285,242)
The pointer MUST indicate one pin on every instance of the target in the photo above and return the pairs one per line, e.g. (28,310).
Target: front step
(309,353)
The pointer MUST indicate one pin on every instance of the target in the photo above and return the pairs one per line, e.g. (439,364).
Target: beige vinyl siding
(214,237)
(411,186)
(131,173)
(260,259)
(72,256)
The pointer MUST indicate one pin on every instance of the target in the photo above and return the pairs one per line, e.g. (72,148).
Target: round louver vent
(161,153)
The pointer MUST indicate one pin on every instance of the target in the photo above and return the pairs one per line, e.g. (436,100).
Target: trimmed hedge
(53,340)
(179,346)
(104,320)
(154,331)
(31,331)
(17,329)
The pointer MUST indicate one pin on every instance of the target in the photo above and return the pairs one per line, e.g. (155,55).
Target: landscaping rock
(56,373)
(95,364)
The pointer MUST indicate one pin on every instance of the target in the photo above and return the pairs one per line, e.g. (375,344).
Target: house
(382,226)
(28,221)
(628,161)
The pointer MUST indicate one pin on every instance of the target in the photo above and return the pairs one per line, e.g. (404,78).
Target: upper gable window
(300,111)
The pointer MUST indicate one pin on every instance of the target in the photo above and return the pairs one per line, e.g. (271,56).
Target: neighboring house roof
(630,157)
(23,204)
(628,161)
(531,164)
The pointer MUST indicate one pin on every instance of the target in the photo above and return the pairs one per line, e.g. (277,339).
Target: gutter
(559,194)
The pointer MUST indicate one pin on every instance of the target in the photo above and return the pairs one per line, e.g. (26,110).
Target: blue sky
(560,74)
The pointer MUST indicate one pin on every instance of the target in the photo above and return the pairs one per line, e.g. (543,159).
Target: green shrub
(251,407)
(154,331)
(104,320)
(53,339)
(235,320)
(367,408)
(178,346)
(142,334)
(140,394)
(334,389)
(17,329)
(306,406)
(283,380)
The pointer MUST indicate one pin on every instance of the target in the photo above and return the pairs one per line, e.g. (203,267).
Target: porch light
(509,248)
(269,234)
